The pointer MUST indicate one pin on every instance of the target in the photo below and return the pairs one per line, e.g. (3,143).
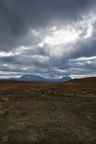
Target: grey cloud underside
(17,17)
(18,21)
(48,69)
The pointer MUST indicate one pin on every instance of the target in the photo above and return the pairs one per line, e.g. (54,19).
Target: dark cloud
(17,17)
(8,59)
(87,64)
(85,48)
(24,24)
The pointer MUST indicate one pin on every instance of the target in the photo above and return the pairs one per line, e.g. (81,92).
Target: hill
(85,80)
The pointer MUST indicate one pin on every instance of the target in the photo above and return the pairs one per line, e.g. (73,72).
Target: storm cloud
(47,37)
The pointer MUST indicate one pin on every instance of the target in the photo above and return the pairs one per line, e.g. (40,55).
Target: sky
(48,38)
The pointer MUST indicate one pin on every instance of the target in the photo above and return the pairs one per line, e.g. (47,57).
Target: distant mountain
(64,79)
(38,78)
(13,78)
(31,78)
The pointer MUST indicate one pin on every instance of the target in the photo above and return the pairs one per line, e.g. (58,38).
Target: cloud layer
(51,38)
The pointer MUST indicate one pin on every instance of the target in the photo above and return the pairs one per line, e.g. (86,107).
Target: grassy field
(47,113)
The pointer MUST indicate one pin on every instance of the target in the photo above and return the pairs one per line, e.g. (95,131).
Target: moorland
(48,113)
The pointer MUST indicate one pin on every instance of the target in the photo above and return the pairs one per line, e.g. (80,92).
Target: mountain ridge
(39,78)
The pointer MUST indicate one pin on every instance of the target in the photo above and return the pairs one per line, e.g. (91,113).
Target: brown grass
(51,113)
